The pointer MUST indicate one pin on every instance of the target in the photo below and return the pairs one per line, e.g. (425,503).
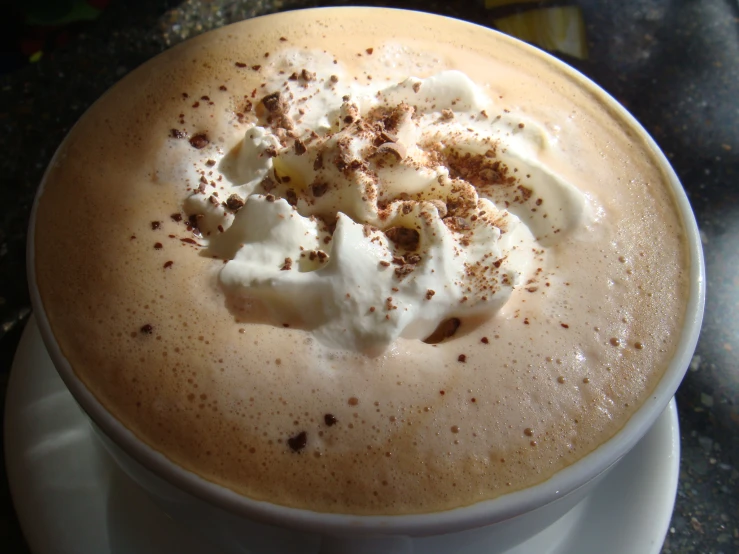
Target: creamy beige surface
(545,381)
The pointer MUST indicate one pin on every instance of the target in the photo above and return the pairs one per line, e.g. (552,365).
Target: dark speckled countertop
(673,63)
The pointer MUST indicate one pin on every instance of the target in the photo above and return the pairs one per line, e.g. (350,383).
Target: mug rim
(482,513)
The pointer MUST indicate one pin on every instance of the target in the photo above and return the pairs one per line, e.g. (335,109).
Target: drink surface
(136,296)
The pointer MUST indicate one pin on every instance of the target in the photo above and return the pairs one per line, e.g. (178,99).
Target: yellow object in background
(498,3)
(560,28)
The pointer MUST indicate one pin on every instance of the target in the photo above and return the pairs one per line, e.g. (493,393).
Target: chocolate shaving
(234,202)
(268,184)
(147,329)
(298,442)
(199,141)
(403,271)
(176,133)
(330,420)
(300,148)
(404,237)
(272,102)
(318,189)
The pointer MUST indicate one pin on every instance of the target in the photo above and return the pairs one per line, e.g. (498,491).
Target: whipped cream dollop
(365,213)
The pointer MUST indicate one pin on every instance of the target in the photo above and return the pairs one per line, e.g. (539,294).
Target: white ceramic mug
(240,525)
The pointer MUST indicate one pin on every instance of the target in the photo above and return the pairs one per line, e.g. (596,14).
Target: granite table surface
(673,63)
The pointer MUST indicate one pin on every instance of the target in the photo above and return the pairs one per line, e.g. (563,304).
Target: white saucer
(72,499)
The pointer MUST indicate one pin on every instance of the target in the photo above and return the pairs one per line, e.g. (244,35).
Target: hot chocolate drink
(362,261)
